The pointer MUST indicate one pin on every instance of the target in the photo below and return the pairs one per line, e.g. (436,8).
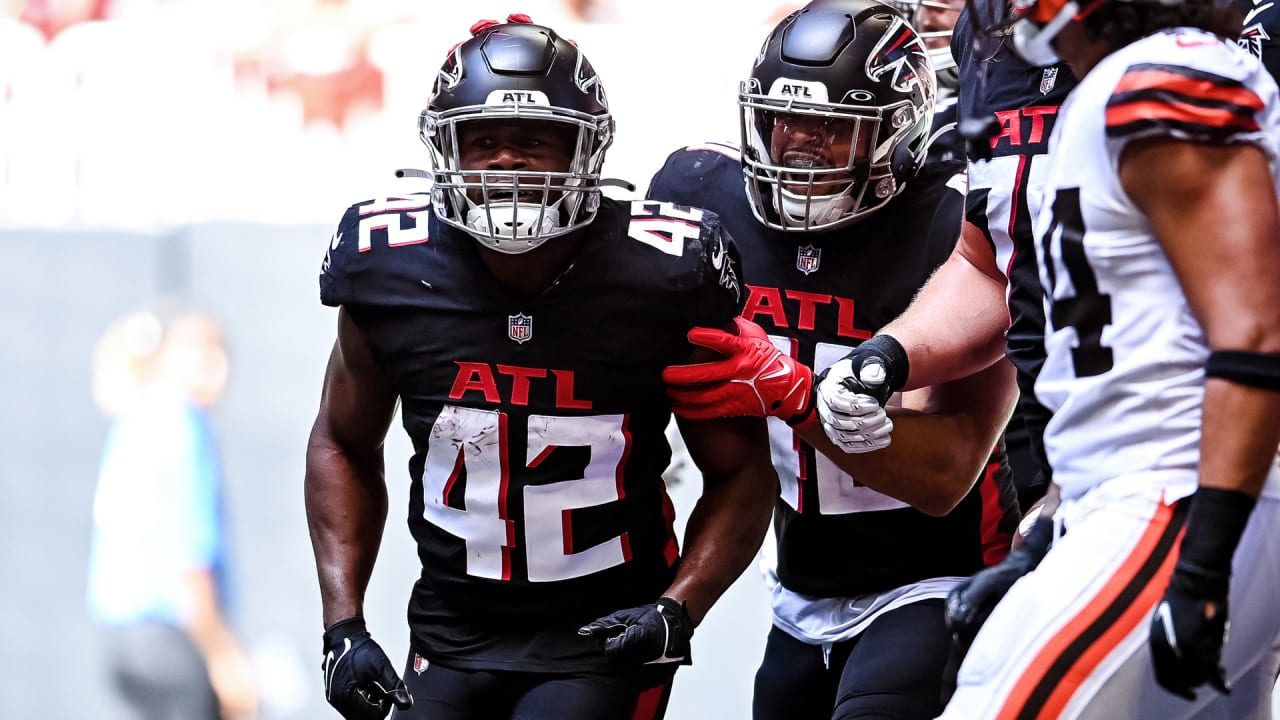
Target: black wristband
(678,608)
(899,367)
(345,628)
(1214,526)
(1255,369)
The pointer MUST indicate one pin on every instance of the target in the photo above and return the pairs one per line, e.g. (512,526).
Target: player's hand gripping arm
(953,329)
(944,435)
(1214,211)
(725,529)
(346,500)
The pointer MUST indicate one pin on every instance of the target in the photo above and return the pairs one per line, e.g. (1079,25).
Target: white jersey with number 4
(1125,377)
(1125,369)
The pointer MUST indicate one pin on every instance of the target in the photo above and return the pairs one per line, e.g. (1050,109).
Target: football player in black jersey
(990,285)
(839,224)
(522,321)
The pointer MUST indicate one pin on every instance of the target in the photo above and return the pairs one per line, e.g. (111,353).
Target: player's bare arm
(942,439)
(948,338)
(345,488)
(1214,211)
(729,521)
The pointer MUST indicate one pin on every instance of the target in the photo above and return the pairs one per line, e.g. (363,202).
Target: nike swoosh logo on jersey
(717,255)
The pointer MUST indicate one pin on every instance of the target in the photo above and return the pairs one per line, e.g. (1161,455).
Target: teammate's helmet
(1037,24)
(934,21)
(521,71)
(853,63)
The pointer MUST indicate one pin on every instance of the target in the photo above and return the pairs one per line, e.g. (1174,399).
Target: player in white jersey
(1159,255)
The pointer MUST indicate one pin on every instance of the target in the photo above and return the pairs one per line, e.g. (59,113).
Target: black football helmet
(516,70)
(848,62)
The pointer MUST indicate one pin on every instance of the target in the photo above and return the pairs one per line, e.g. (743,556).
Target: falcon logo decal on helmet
(901,55)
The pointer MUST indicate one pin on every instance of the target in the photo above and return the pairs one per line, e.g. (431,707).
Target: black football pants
(894,669)
(441,693)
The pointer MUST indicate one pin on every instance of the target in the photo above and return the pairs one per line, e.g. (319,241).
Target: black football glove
(1188,631)
(860,377)
(649,634)
(1189,627)
(970,603)
(359,681)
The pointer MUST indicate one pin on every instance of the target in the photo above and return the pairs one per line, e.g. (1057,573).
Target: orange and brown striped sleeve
(1154,99)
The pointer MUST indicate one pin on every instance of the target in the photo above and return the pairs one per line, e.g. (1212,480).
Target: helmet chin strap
(516,227)
(813,210)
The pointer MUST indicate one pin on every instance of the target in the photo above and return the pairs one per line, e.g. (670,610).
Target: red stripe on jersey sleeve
(1198,88)
(1156,110)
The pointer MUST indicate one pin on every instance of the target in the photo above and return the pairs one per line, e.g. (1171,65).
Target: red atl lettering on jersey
(482,378)
(1024,126)
(773,303)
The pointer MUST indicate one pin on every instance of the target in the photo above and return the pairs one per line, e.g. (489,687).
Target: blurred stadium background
(203,150)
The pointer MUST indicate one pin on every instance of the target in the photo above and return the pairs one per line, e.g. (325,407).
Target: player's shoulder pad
(707,151)
(357,256)
(689,244)
(686,170)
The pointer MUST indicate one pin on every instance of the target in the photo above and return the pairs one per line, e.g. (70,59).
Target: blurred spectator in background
(158,560)
(318,51)
(51,17)
(591,10)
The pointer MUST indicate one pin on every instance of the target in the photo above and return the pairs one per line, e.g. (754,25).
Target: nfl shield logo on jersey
(807,258)
(520,327)
(1048,80)
(419,663)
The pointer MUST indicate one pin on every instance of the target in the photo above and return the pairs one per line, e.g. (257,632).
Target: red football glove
(753,378)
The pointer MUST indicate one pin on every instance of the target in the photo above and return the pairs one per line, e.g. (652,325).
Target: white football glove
(856,422)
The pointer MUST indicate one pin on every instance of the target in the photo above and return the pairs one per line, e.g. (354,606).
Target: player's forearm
(1239,436)
(931,464)
(725,530)
(941,443)
(955,326)
(346,512)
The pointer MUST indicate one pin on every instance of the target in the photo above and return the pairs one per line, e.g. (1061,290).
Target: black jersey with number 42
(537,421)
(818,295)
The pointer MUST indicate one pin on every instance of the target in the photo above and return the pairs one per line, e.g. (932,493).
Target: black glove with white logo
(971,602)
(649,634)
(877,367)
(359,681)
(1189,627)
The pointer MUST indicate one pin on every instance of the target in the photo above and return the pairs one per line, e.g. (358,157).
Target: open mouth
(804,160)
(524,196)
